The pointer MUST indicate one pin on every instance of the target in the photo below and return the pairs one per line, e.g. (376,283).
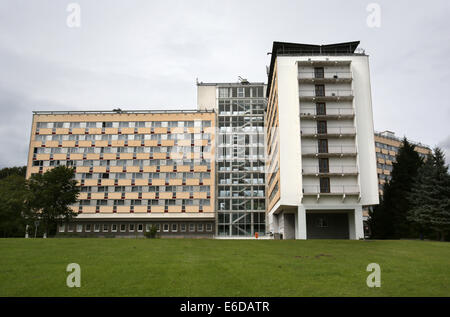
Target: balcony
(338,170)
(332,190)
(311,77)
(330,151)
(339,113)
(327,95)
(338,132)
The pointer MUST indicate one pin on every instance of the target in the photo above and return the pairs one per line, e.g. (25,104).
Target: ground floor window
(105,228)
(87,227)
(192,227)
(166,227)
(183,227)
(114,228)
(200,227)
(62,228)
(79,228)
(209,227)
(140,228)
(97,227)
(131,228)
(174,227)
(123,228)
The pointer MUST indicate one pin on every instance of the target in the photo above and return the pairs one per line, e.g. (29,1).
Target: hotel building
(135,169)
(240,153)
(321,167)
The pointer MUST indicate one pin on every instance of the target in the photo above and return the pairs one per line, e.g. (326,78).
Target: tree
(7,171)
(430,195)
(51,195)
(13,207)
(389,218)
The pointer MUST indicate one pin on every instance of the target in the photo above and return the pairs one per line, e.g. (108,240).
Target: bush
(151,234)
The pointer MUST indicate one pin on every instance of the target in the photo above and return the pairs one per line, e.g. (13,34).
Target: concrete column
(300,219)
(359,225)
(355,223)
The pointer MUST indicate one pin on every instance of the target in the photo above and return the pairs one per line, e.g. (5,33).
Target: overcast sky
(148,54)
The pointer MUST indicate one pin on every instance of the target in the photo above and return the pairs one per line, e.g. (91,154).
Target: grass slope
(163,267)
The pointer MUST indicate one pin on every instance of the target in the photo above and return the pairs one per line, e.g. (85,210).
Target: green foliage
(13,206)
(152,232)
(389,219)
(8,171)
(51,195)
(430,195)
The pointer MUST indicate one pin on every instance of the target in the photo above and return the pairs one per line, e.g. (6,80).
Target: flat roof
(287,48)
(120,111)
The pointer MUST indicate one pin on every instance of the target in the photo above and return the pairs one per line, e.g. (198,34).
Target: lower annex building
(135,169)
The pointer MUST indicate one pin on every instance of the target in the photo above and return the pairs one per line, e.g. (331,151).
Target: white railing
(336,149)
(326,75)
(329,112)
(339,169)
(337,130)
(327,93)
(333,189)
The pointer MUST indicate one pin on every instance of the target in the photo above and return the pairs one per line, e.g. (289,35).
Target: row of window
(150,176)
(385,156)
(131,227)
(123,149)
(242,92)
(144,202)
(122,137)
(124,124)
(241,204)
(386,146)
(144,189)
(385,167)
(124,163)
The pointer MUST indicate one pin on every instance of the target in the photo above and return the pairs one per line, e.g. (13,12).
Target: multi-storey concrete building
(386,148)
(320,141)
(241,202)
(135,168)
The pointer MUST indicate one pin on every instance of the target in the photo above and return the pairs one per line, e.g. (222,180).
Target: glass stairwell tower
(240,197)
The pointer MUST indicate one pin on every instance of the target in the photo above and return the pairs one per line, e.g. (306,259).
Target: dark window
(323,145)
(324,185)
(318,72)
(320,90)
(321,127)
(323,165)
(321,109)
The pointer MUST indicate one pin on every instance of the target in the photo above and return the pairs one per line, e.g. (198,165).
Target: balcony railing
(336,131)
(311,93)
(337,149)
(338,169)
(329,112)
(325,75)
(333,189)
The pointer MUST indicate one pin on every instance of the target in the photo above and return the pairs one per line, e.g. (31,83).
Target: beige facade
(134,168)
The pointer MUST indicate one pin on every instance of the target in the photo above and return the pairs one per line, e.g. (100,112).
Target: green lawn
(171,267)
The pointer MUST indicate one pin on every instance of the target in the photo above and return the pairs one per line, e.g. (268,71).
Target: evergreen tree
(430,196)
(389,219)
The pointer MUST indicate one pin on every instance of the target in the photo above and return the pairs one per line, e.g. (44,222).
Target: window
(318,72)
(174,227)
(183,227)
(87,227)
(200,227)
(140,227)
(131,227)
(114,228)
(79,228)
(324,185)
(321,109)
(209,227)
(62,228)
(105,228)
(123,228)
(96,227)
(192,227)
(323,165)
(166,227)
(321,127)
(70,228)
